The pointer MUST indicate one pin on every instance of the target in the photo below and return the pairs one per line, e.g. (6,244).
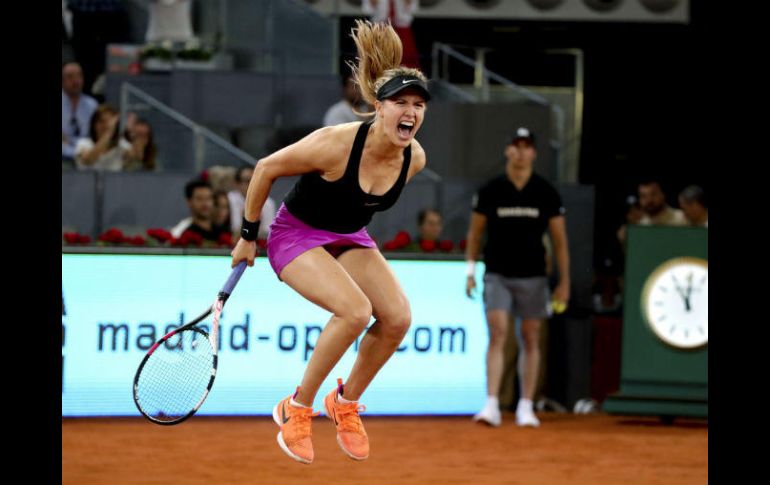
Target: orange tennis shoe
(351,435)
(296,431)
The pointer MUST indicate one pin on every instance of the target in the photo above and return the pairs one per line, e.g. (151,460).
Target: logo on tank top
(369,204)
(532,212)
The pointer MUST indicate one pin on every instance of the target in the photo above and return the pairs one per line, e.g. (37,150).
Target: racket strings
(176,376)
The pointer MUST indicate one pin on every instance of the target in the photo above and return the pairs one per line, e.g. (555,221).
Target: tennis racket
(178,371)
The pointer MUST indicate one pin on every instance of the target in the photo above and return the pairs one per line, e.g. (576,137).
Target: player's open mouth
(405,129)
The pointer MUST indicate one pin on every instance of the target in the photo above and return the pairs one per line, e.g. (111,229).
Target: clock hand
(679,290)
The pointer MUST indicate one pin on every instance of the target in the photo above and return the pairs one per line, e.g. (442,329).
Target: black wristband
(249,230)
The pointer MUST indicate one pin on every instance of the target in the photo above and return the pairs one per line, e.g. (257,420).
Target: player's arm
(317,152)
(558,228)
(473,243)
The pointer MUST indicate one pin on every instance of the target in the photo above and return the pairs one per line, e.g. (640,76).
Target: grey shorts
(523,297)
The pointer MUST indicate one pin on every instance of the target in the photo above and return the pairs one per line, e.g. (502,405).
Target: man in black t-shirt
(516,209)
(200,200)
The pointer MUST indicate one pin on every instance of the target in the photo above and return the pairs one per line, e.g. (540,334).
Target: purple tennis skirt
(289,237)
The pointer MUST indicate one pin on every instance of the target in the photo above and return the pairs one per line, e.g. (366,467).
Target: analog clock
(675,302)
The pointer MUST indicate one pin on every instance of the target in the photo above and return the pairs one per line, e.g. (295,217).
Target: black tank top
(342,206)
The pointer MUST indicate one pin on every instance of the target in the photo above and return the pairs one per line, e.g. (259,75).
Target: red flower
(463,244)
(446,245)
(75,238)
(427,246)
(161,235)
(390,246)
(113,236)
(402,239)
(71,237)
(137,241)
(190,238)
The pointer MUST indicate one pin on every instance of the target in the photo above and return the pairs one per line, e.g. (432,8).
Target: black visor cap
(399,83)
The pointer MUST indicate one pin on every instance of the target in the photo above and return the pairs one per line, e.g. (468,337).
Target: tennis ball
(558,306)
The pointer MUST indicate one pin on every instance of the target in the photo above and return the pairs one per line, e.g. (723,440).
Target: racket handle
(233,279)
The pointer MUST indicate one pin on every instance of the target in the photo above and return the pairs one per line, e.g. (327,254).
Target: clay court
(566,449)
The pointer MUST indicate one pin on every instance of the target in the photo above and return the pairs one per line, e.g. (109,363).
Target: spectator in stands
(693,202)
(104,149)
(655,210)
(143,152)
(516,209)
(652,200)
(222,211)
(343,111)
(237,198)
(429,227)
(77,109)
(200,200)
(400,13)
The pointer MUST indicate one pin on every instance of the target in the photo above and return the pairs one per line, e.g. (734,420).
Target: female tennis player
(318,243)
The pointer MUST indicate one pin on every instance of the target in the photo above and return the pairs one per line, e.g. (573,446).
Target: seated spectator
(692,200)
(200,200)
(77,109)
(237,198)
(429,227)
(222,212)
(143,152)
(343,110)
(655,210)
(104,149)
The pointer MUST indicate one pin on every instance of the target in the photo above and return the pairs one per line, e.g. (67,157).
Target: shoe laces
(349,418)
(302,419)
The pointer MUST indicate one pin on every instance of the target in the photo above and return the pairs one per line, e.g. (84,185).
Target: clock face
(675,302)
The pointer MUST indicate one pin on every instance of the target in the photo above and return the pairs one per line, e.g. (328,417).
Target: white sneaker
(490,415)
(526,417)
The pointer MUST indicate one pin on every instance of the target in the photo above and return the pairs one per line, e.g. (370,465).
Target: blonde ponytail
(379,49)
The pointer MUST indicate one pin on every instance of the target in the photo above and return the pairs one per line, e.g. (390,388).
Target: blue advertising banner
(118,305)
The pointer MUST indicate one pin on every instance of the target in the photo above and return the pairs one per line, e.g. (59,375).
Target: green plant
(195,54)
(157,52)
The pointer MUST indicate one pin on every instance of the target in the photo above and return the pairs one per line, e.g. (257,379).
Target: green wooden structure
(661,376)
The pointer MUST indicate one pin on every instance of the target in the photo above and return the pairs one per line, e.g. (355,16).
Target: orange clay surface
(566,449)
